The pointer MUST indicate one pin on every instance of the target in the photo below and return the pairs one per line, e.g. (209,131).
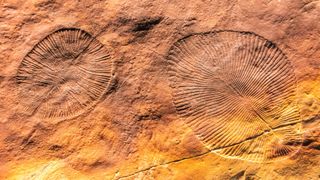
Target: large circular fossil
(236,90)
(64,75)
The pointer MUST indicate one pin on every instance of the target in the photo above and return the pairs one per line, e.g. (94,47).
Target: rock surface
(134,131)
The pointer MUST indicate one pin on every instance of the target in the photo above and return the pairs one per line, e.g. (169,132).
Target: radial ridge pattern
(236,90)
(64,75)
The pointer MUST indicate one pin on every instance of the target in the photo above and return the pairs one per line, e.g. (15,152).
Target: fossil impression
(64,75)
(236,90)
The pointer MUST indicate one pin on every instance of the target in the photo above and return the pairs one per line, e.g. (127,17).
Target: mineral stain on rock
(141,27)
(145,24)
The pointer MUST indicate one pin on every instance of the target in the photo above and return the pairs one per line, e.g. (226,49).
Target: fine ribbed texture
(236,91)
(64,75)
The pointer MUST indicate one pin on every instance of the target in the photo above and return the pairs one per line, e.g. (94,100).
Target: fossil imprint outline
(236,91)
(232,88)
(64,75)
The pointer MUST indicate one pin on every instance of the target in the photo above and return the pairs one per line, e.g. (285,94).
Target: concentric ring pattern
(64,75)
(236,90)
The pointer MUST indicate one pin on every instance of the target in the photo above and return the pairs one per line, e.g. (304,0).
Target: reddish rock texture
(134,132)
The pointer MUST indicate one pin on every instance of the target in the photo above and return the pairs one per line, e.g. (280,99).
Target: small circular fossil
(236,90)
(64,75)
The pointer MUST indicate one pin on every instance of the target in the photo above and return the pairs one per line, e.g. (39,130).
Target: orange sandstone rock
(134,131)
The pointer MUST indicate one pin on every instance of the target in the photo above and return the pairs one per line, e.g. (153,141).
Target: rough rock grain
(134,132)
